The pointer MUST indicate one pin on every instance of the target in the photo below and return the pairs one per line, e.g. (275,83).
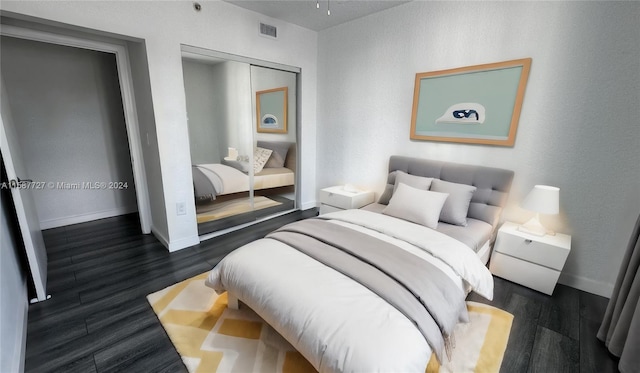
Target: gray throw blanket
(203,188)
(418,289)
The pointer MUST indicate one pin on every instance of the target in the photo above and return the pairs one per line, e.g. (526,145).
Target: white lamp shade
(543,199)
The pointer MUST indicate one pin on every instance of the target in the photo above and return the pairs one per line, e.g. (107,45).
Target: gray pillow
(418,182)
(415,205)
(279,154)
(239,165)
(456,207)
(398,177)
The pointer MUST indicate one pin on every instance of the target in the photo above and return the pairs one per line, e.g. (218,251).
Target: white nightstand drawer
(338,197)
(548,251)
(528,274)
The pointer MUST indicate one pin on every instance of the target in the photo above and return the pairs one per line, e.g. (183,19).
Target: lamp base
(534,227)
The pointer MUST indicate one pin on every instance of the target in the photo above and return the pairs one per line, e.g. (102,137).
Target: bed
(277,170)
(346,289)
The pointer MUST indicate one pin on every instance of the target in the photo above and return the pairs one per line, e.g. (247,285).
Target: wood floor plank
(149,350)
(54,334)
(554,352)
(594,356)
(55,356)
(559,312)
(523,331)
(592,307)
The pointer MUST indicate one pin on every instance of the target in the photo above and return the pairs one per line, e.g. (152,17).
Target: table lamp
(542,199)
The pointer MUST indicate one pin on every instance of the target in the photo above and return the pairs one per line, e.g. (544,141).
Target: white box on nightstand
(336,198)
(533,261)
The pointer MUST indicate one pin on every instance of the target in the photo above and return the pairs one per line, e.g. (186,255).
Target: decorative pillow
(279,154)
(260,158)
(418,182)
(415,205)
(457,205)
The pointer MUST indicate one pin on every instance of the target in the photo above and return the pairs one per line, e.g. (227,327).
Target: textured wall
(68,114)
(578,128)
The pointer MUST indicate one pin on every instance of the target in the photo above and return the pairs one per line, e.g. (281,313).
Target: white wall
(69,119)
(219,26)
(13,292)
(578,128)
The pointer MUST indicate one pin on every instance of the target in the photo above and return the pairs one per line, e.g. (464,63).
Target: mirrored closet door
(243,139)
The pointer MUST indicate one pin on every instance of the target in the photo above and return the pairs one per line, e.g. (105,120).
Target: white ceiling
(304,13)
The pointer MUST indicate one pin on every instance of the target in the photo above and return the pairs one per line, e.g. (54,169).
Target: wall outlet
(181,208)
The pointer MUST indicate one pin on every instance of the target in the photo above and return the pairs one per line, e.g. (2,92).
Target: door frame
(128,103)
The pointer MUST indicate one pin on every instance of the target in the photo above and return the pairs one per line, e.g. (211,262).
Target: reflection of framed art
(271,110)
(475,104)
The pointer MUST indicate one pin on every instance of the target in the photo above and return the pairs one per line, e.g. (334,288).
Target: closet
(242,119)
(68,116)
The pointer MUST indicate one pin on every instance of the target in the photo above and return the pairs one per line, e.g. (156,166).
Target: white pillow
(419,206)
(260,158)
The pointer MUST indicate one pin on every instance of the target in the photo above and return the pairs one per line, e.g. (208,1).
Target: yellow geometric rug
(233,207)
(212,338)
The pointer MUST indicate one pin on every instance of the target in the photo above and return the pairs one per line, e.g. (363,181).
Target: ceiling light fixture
(328,9)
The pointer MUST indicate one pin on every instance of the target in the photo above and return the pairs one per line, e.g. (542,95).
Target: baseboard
(160,236)
(83,218)
(603,289)
(183,243)
(309,205)
(174,245)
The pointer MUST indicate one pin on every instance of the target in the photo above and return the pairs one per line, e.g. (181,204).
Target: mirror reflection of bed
(222,191)
(240,174)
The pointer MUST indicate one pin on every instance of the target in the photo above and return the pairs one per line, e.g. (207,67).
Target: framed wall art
(271,110)
(475,104)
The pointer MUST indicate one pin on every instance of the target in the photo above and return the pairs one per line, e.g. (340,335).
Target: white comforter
(336,323)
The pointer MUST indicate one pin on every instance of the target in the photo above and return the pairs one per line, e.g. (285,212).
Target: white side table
(533,261)
(336,198)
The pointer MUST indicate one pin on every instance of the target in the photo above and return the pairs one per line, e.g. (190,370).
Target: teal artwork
(477,104)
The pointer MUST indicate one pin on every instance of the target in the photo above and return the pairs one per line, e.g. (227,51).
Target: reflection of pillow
(279,154)
(457,205)
(260,158)
(239,165)
(418,182)
(415,205)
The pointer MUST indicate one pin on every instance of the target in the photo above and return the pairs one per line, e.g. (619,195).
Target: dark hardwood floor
(98,319)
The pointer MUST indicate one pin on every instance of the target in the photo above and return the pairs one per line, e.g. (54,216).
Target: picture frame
(271,110)
(475,104)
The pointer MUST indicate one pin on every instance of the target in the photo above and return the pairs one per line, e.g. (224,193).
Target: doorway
(110,179)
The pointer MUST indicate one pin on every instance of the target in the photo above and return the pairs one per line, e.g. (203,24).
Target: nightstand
(336,198)
(532,261)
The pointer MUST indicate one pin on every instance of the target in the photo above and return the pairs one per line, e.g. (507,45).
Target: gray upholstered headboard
(492,184)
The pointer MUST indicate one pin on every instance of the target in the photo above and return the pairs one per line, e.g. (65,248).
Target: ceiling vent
(268,30)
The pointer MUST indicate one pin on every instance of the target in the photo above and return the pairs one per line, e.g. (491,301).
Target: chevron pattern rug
(212,338)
